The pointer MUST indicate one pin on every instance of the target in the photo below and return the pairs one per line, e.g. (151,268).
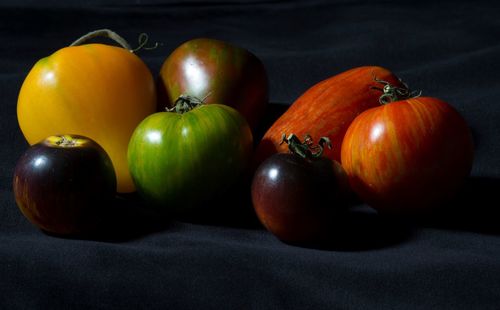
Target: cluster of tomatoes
(99,124)
(401,153)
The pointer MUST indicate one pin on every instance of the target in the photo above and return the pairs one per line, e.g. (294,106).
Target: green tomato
(180,160)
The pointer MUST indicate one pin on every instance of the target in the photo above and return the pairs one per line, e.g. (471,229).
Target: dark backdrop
(450,50)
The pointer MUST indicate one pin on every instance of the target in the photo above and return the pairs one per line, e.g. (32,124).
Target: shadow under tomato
(125,218)
(232,208)
(474,209)
(360,229)
(128,218)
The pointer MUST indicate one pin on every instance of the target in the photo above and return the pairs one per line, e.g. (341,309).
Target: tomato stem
(391,93)
(107,33)
(65,141)
(306,149)
(110,34)
(186,103)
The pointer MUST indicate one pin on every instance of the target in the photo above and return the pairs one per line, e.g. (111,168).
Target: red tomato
(408,156)
(327,109)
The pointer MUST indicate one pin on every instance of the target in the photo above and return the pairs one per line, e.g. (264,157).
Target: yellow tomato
(95,90)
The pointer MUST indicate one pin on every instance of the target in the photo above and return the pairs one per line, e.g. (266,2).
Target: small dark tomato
(64,184)
(297,197)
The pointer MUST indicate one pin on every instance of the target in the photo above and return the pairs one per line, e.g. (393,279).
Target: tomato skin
(179,161)
(297,198)
(64,190)
(409,156)
(95,90)
(327,109)
(217,72)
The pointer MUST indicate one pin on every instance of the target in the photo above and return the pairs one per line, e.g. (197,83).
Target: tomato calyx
(391,93)
(306,149)
(65,141)
(186,103)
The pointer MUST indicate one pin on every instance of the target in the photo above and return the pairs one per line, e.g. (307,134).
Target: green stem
(103,33)
(66,141)
(306,149)
(391,93)
(185,103)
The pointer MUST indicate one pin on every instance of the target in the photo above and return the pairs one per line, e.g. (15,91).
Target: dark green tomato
(65,184)
(179,161)
(215,72)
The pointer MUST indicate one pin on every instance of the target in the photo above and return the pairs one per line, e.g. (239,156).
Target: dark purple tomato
(215,72)
(64,184)
(296,198)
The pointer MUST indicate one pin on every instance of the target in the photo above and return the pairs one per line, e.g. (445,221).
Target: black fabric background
(450,50)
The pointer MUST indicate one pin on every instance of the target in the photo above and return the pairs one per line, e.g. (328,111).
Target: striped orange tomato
(408,156)
(95,90)
(326,110)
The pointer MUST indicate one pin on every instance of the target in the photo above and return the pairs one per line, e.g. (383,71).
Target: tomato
(95,90)
(216,72)
(180,160)
(409,156)
(327,109)
(64,183)
(295,195)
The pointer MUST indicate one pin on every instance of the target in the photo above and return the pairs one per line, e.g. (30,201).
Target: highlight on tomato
(409,155)
(96,90)
(217,72)
(182,158)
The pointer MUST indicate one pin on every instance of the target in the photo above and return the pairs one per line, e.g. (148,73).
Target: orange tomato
(326,110)
(408,157)
(95,90)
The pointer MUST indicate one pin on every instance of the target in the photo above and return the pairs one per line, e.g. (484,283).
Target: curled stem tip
(143,40)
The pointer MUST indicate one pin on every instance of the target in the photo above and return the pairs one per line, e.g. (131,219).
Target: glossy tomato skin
(216,72)
(408,157)
(327,109)
(180,161)
(297,198)
(95,90)
(64,190)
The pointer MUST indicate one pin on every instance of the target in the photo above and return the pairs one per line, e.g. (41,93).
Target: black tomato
(64,184)
(296,197)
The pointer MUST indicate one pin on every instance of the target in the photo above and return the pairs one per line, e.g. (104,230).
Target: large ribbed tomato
(408,156)
(217,72)
(95,90)
(179,160)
